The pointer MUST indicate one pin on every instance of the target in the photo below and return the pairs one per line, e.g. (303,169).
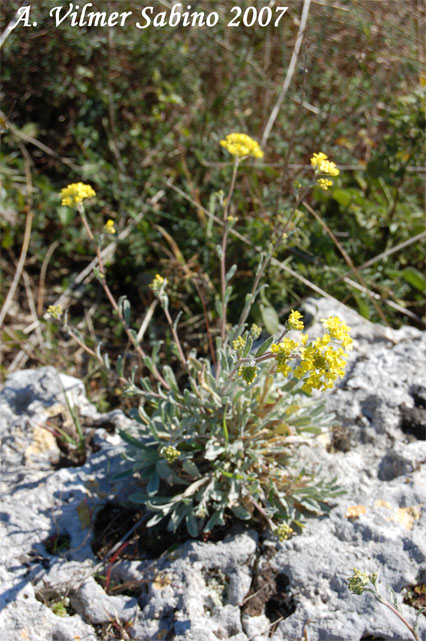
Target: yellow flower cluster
(359,581)
(324,183)
(283,531)
(109,227)
(283,351)
(294,322)
(239,343)
(322,363)
(255,331)
(241,145)
(322,165)
(248,373)
(157,283)
(55,311)
(76,192)
(338,330)
(169,453)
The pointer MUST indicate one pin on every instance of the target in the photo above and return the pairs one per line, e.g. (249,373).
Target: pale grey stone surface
(196,592)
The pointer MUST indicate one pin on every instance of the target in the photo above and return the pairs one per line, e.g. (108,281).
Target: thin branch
(392,250)
(111,108)
(175,337)
(42,281)
(347,258)
(399,615)
(33,141)
(31,305)
(27,236)
(147,319)
(12,24)
(223,251)
(290,72)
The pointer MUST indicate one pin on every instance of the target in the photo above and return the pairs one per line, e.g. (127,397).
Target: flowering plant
(361,582)
(218,439)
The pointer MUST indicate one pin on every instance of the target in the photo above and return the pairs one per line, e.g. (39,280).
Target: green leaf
(65,215)
(107,361)
(248,346)
(167,473)
(362,305)
(190,468)
(131,440)
(231,273)
(415,278)
(177,517)
(6,239)
(119,366)
(215,519)
(153,483)
(155,519)
(124,307)
(191,524)
(170,378)
(241,512)
(225,428)
(265,346)
(269,318)
(213,451)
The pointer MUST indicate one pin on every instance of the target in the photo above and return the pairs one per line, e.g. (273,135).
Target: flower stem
(399,615)
(280,230)
(175,337)
(112,300)
(223,252)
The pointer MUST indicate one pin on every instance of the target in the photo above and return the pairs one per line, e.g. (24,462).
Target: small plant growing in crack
(361,582)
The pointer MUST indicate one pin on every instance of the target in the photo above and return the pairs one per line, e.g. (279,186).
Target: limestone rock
(245,587)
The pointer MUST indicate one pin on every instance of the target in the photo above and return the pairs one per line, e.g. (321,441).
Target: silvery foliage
(238,445)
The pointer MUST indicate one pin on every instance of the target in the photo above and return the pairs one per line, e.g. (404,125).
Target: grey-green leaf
(270,318)
(265,346)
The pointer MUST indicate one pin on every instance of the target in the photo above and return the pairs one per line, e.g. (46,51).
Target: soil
(269,594)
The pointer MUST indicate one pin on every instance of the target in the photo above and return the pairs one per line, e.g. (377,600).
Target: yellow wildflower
(293,321)
(338,330)
(241,145)
(322,364)
(157,283)
(239,343)
(359,581)
(55,311)
(248,373)
(283,531)
(109,227)
(255,331)
(322,165)
(324,183)
(318,158)
(169,453)
(283,352)
(76,192)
